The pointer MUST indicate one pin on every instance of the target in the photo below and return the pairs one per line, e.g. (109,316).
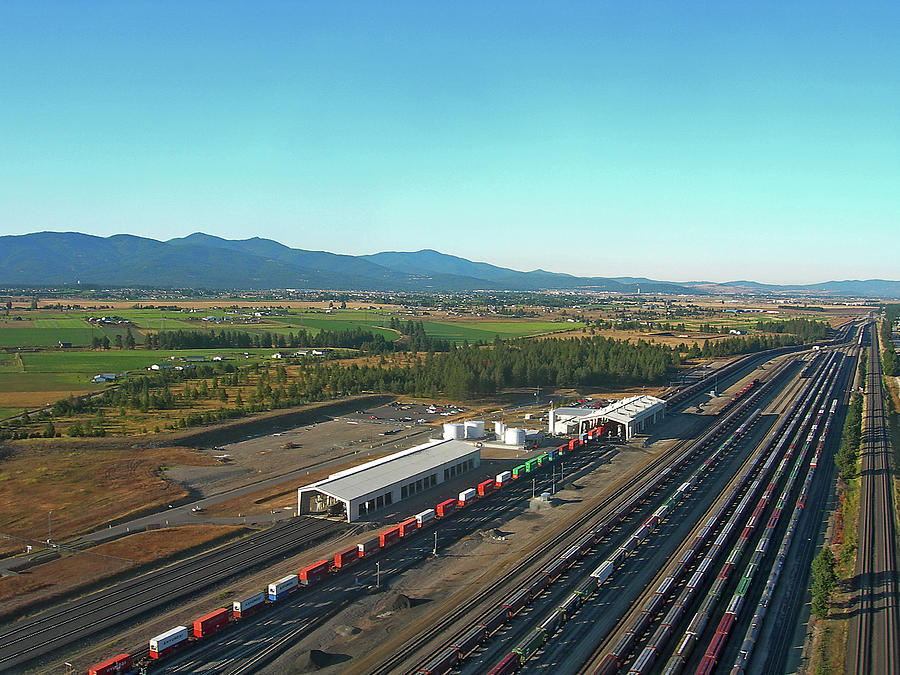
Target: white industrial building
(633,414)
(376,485)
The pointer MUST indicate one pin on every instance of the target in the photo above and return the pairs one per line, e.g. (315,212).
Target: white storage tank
(514,437)
(499,429)
(454,431)
(475,429)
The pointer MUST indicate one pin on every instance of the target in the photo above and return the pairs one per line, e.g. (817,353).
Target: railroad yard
(659,554)
(450,339)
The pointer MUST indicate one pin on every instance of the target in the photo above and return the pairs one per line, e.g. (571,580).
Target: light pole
(48,526)
(378,575)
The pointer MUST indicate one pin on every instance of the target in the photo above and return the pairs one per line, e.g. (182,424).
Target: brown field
(84,484)
(32,400)
(72,572)
(672,340)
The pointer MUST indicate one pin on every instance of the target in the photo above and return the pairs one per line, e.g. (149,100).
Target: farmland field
(457,331)
(52,375)
(94,362)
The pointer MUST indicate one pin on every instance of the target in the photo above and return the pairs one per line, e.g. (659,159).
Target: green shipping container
(519,470)
(532,644)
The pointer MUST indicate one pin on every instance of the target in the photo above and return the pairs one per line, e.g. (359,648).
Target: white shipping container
(425,517)
(284,584)
(252,601)
(603,572)
(503,477)
(467,495)
(168,639)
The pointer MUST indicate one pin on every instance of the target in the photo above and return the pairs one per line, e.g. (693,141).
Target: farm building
(629,415)
(373,486)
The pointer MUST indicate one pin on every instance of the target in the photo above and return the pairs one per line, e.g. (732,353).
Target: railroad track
(31,638)
(876,629)
(604,512)
(623,643)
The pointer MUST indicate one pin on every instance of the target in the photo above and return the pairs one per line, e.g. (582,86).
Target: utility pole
(378,575)
(533,487)
(434,551)
(48,526)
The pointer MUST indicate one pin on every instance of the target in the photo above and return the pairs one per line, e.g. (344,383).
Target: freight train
(181,637)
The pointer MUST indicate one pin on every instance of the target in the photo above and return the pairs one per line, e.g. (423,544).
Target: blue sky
(675,140)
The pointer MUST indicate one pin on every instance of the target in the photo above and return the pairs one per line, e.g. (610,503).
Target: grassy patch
(83,485)
(457,331)
(119,360)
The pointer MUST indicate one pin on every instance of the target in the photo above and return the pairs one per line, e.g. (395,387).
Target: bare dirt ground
(82,570)
(83,485)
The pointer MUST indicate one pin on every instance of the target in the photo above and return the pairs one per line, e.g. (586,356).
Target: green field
(94,362)
(45,328)
(488,330)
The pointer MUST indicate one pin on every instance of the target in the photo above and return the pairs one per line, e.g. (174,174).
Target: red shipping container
(509,664)
(485,487)
(407,527)
(113,666)
(726,623)
(445,508)
(344,558)
(572,444)
(389,536)
(312,573)
(211,622)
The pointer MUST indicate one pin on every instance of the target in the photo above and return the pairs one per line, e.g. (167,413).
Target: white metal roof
(574,412)
(623,411)
(381,473)
(633,408)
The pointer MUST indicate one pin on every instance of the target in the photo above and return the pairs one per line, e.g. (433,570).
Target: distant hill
(205,261)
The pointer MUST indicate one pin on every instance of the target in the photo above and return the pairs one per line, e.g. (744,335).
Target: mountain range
(205,261)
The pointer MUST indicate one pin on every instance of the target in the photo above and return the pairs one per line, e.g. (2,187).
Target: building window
(419,485)
(404,492)
(379,502)
(388,499)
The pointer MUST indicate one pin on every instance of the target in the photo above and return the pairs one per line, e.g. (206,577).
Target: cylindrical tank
(499,429)
(514,437)
(475,429)
(454,431)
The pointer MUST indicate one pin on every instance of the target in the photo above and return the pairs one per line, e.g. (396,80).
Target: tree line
(808,330)
(847,457)
(889,360)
